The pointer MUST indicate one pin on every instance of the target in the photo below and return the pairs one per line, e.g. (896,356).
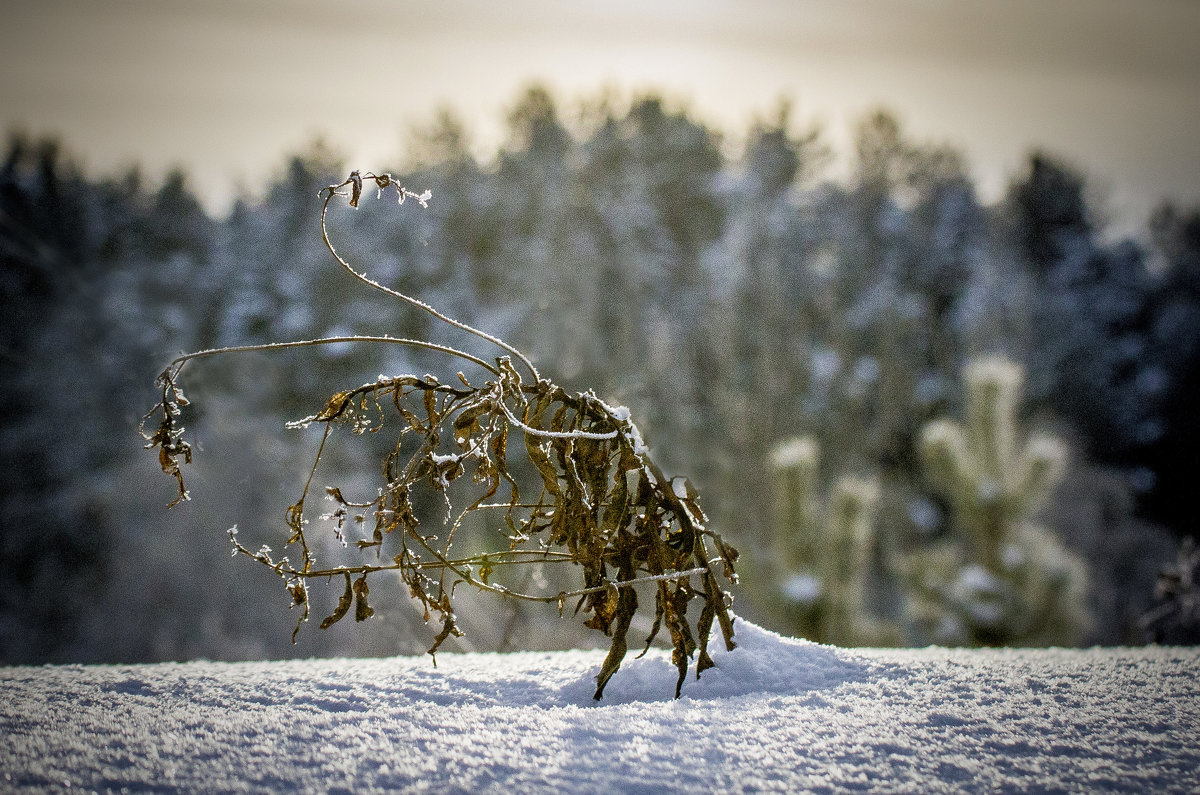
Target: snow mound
(763,662)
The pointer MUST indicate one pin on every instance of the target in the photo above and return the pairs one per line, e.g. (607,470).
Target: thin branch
(555,434)
(179,361)
(457,566)
(383,181)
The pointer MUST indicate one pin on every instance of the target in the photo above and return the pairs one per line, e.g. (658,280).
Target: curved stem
(178,362)
(552,434)
(534,555)
(362,277)
(456,566)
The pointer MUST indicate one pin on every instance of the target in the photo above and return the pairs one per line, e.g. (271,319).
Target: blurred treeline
(731,301)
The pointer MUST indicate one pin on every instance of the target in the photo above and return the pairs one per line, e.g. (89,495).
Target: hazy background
(224,88)
(805,242)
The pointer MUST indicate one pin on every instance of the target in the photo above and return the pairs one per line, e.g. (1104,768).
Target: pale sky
(227,89)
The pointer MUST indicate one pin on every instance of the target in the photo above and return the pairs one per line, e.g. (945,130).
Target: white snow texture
(776,714)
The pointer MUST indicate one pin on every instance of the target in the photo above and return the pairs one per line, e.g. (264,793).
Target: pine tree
(1004,579)
(823,548)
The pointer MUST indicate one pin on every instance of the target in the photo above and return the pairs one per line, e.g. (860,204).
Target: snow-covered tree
(1002,579)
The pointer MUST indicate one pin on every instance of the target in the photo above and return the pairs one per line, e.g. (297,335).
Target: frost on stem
(593,497)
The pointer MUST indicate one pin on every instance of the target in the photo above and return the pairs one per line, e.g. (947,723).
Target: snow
(803,589)
(776,714)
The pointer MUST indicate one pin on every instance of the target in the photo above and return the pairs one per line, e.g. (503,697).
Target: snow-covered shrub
(823,548)
(592,495)
(1002,579)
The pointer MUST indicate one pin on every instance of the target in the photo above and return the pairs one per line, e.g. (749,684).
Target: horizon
(227,91)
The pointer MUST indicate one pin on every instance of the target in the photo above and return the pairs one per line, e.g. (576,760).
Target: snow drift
(776,714)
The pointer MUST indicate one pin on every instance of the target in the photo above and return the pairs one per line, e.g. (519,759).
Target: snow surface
(777,714)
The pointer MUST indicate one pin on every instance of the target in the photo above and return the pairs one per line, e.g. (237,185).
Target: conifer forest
(920,417)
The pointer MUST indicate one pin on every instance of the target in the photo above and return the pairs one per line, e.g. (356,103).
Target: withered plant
(592,496)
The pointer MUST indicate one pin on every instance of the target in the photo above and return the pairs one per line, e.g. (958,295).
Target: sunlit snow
(776,714)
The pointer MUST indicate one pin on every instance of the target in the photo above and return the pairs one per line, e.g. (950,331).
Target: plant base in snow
(590,496)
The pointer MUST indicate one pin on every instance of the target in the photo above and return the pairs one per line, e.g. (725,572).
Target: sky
(228,88)
(774,715)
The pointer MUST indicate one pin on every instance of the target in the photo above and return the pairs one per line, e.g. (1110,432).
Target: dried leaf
(449,627)
(658,617)
(729,556)
(376,540)
(334,408)
(545,467)
(431,408)
(362,611)
(467,422)
(343,606)
(604,609)
(627,606)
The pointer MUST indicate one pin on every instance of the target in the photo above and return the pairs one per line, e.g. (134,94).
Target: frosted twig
(383,181)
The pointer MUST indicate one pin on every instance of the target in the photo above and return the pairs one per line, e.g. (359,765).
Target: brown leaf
(431,408)
(295,520)
(466,423)
(729,556)
(604,609)
(343,606)
(362,611)
(627,606)
(449,627)
(545,467)
(334,408)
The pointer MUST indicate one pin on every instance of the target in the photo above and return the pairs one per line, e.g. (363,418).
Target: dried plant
(591,495)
